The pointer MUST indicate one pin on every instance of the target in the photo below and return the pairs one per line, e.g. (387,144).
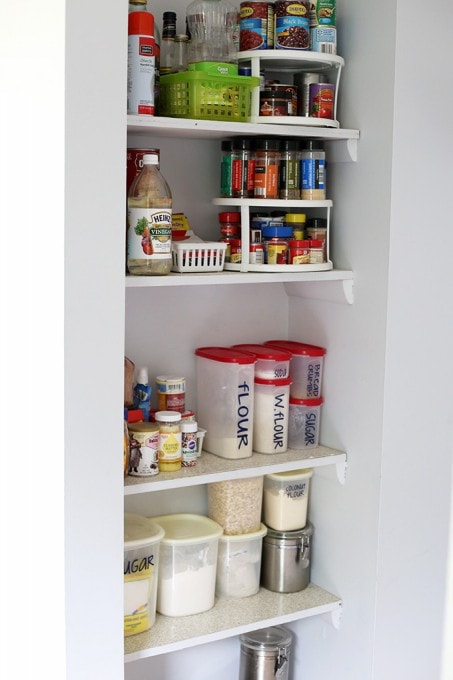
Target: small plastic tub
(236,504)
(304,423)
(188,564)
(305,369)
(142,539)
(285,499)
(239,564)
(271,363)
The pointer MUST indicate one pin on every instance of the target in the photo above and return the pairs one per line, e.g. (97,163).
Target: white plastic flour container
(225,400)
(271,411)
(141,556)
(304,423)
(239,564)
(271,363)
(285,499)
(306,367)
(188,564)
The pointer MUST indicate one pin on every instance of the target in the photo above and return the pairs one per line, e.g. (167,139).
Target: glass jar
(289,174)
(169,440)
(256,253)
(266,154)
(181,48)
(189,430)
(243,169)
(276,244)
(235,251)
(317,229)
(226,169)
(313,171)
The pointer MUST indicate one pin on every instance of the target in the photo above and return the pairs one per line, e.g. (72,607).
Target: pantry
(161,323)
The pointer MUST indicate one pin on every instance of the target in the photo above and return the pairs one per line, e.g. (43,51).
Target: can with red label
(135,163)
(322,99)
(256,26)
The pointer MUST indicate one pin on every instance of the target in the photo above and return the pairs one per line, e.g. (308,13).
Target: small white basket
(208,256)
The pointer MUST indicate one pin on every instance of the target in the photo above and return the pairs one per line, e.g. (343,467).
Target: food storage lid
(306,402)
(295,217)
(230,216)
(235,538)
(273,638)
(140,531)
(189,426)
(150,158)
(290,474)
(167,416)
(185,528)
(273,381)
(280,231)
(143,427)
(225,355)
(289,536)
(263,351)
(298,347)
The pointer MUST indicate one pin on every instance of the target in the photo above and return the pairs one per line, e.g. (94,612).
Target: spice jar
(226,169)
(275,103)
(317,229)
(297,223)
(169,440)
(230,223)
(266,154)
(171,393)
(189,451)
(316,252)
(289,175)
(276,244)
(235,251)
(313,167)
(256,254)
(299,252)
(242,169)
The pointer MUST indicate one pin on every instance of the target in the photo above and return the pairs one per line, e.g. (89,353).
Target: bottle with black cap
(168,48)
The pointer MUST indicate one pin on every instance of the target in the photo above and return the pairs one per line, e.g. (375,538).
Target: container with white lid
(188,564)
(141,556)
(304,423)
(270,425)
(225,400)
(306,367)
(239,564)
(271,363)
(285,499)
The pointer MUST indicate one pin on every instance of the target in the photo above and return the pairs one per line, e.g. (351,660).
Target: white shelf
(293,61)
(211,468)
(272,203)
(229,617)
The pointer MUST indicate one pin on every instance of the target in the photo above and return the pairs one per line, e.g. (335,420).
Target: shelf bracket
(336,615)
(344,152)
(348,290)
(328,290)
(341,471)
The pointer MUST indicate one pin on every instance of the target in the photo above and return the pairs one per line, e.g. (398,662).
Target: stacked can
(323,32)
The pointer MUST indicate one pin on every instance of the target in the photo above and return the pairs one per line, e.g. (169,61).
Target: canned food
(322,97)
(171,393)
(256,26)
(292,25)
(279,87)
(144,444)
(274,103)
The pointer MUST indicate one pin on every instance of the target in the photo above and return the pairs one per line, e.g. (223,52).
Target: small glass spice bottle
(289,170)
(299,252)
(169,440)
(297,222)
(317,230)
(235,251)
(226,169)
(313,171)
(243,169)
(189,450)
(181,48)
(266,154)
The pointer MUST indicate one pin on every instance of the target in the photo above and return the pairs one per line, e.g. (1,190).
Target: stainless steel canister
(285,564)
(265,654)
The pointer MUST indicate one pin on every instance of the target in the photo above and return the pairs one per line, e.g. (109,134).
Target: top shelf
(292,61)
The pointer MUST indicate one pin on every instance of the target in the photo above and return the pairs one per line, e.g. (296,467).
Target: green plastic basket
(194,94)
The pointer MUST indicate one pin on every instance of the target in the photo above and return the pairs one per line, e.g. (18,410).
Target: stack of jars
(273,169)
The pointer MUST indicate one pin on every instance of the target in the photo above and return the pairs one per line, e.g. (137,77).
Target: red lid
(306,402)
(135,415)
(298,347)
(299,244)
(264,352)
(229,217)
(275,381)
(316,243)
(225,354)
(141,23)
(235,242)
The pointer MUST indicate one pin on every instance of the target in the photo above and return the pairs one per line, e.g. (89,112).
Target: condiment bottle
(169,440)
(181,47)
(167,48)
(149,221)
(189,429)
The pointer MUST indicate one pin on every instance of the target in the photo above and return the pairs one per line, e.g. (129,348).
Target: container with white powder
(188,564)
(271,363)
(306,367)
(239,564)
(285,499)
(271,412)
(141,556)
(225,400)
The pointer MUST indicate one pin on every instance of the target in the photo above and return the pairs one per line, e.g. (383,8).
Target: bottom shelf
(229,617)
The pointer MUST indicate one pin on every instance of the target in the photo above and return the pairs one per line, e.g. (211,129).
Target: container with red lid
(271,363)
(306,367)
(299,252)
(225,392)
(304,423)
(230,223)
(271,412)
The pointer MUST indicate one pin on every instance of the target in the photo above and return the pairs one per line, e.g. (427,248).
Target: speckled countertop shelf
(211,468)
(229,617)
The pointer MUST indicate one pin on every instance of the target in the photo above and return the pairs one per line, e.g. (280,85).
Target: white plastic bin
(271,363)
(304,423)
(285,499)
(225,400)
(188,564)
(306,367)
(141,557)
(270,424)
(239,564)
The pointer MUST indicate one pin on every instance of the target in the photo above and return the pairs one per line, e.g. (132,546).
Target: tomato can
(256,26)
(322,100)
(135,163)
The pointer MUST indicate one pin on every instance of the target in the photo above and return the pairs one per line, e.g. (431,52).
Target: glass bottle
(267,157)
(212,24)
(181,48)
(149,212)
(313,171)
(167,47)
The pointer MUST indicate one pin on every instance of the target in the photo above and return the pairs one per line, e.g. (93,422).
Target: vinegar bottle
(149,210)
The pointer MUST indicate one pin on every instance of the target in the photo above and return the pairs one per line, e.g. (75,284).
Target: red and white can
(141,65)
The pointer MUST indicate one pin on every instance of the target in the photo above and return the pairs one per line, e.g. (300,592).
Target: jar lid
(235,242)
(150,159)
(295,217)
(293,475)
(225,355)
(301,348)
(294,535)
(167,416)
(189,426)
(266,144)
(313,145)
(277,232)
(275,94)
(273,638)
(309,403)
(276,381)
(230,216)
(256,246)
(227,145)
(263,351)
(316,222)
(290,144)
(140,531)
(299,243)
(185,528)
(316,243)
(143,427)
(242,143)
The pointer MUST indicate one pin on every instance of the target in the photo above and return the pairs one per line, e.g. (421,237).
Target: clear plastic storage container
(305,369)
(188,564)
(304,423)
(271,412)
(239,564)
(285,499)
(271,363)
(236,504)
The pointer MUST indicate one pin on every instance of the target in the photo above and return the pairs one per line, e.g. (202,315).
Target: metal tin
(256,26)
(171,393)
(292,25)
(322,100)
(266,654)
(286,563)
(144,444)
